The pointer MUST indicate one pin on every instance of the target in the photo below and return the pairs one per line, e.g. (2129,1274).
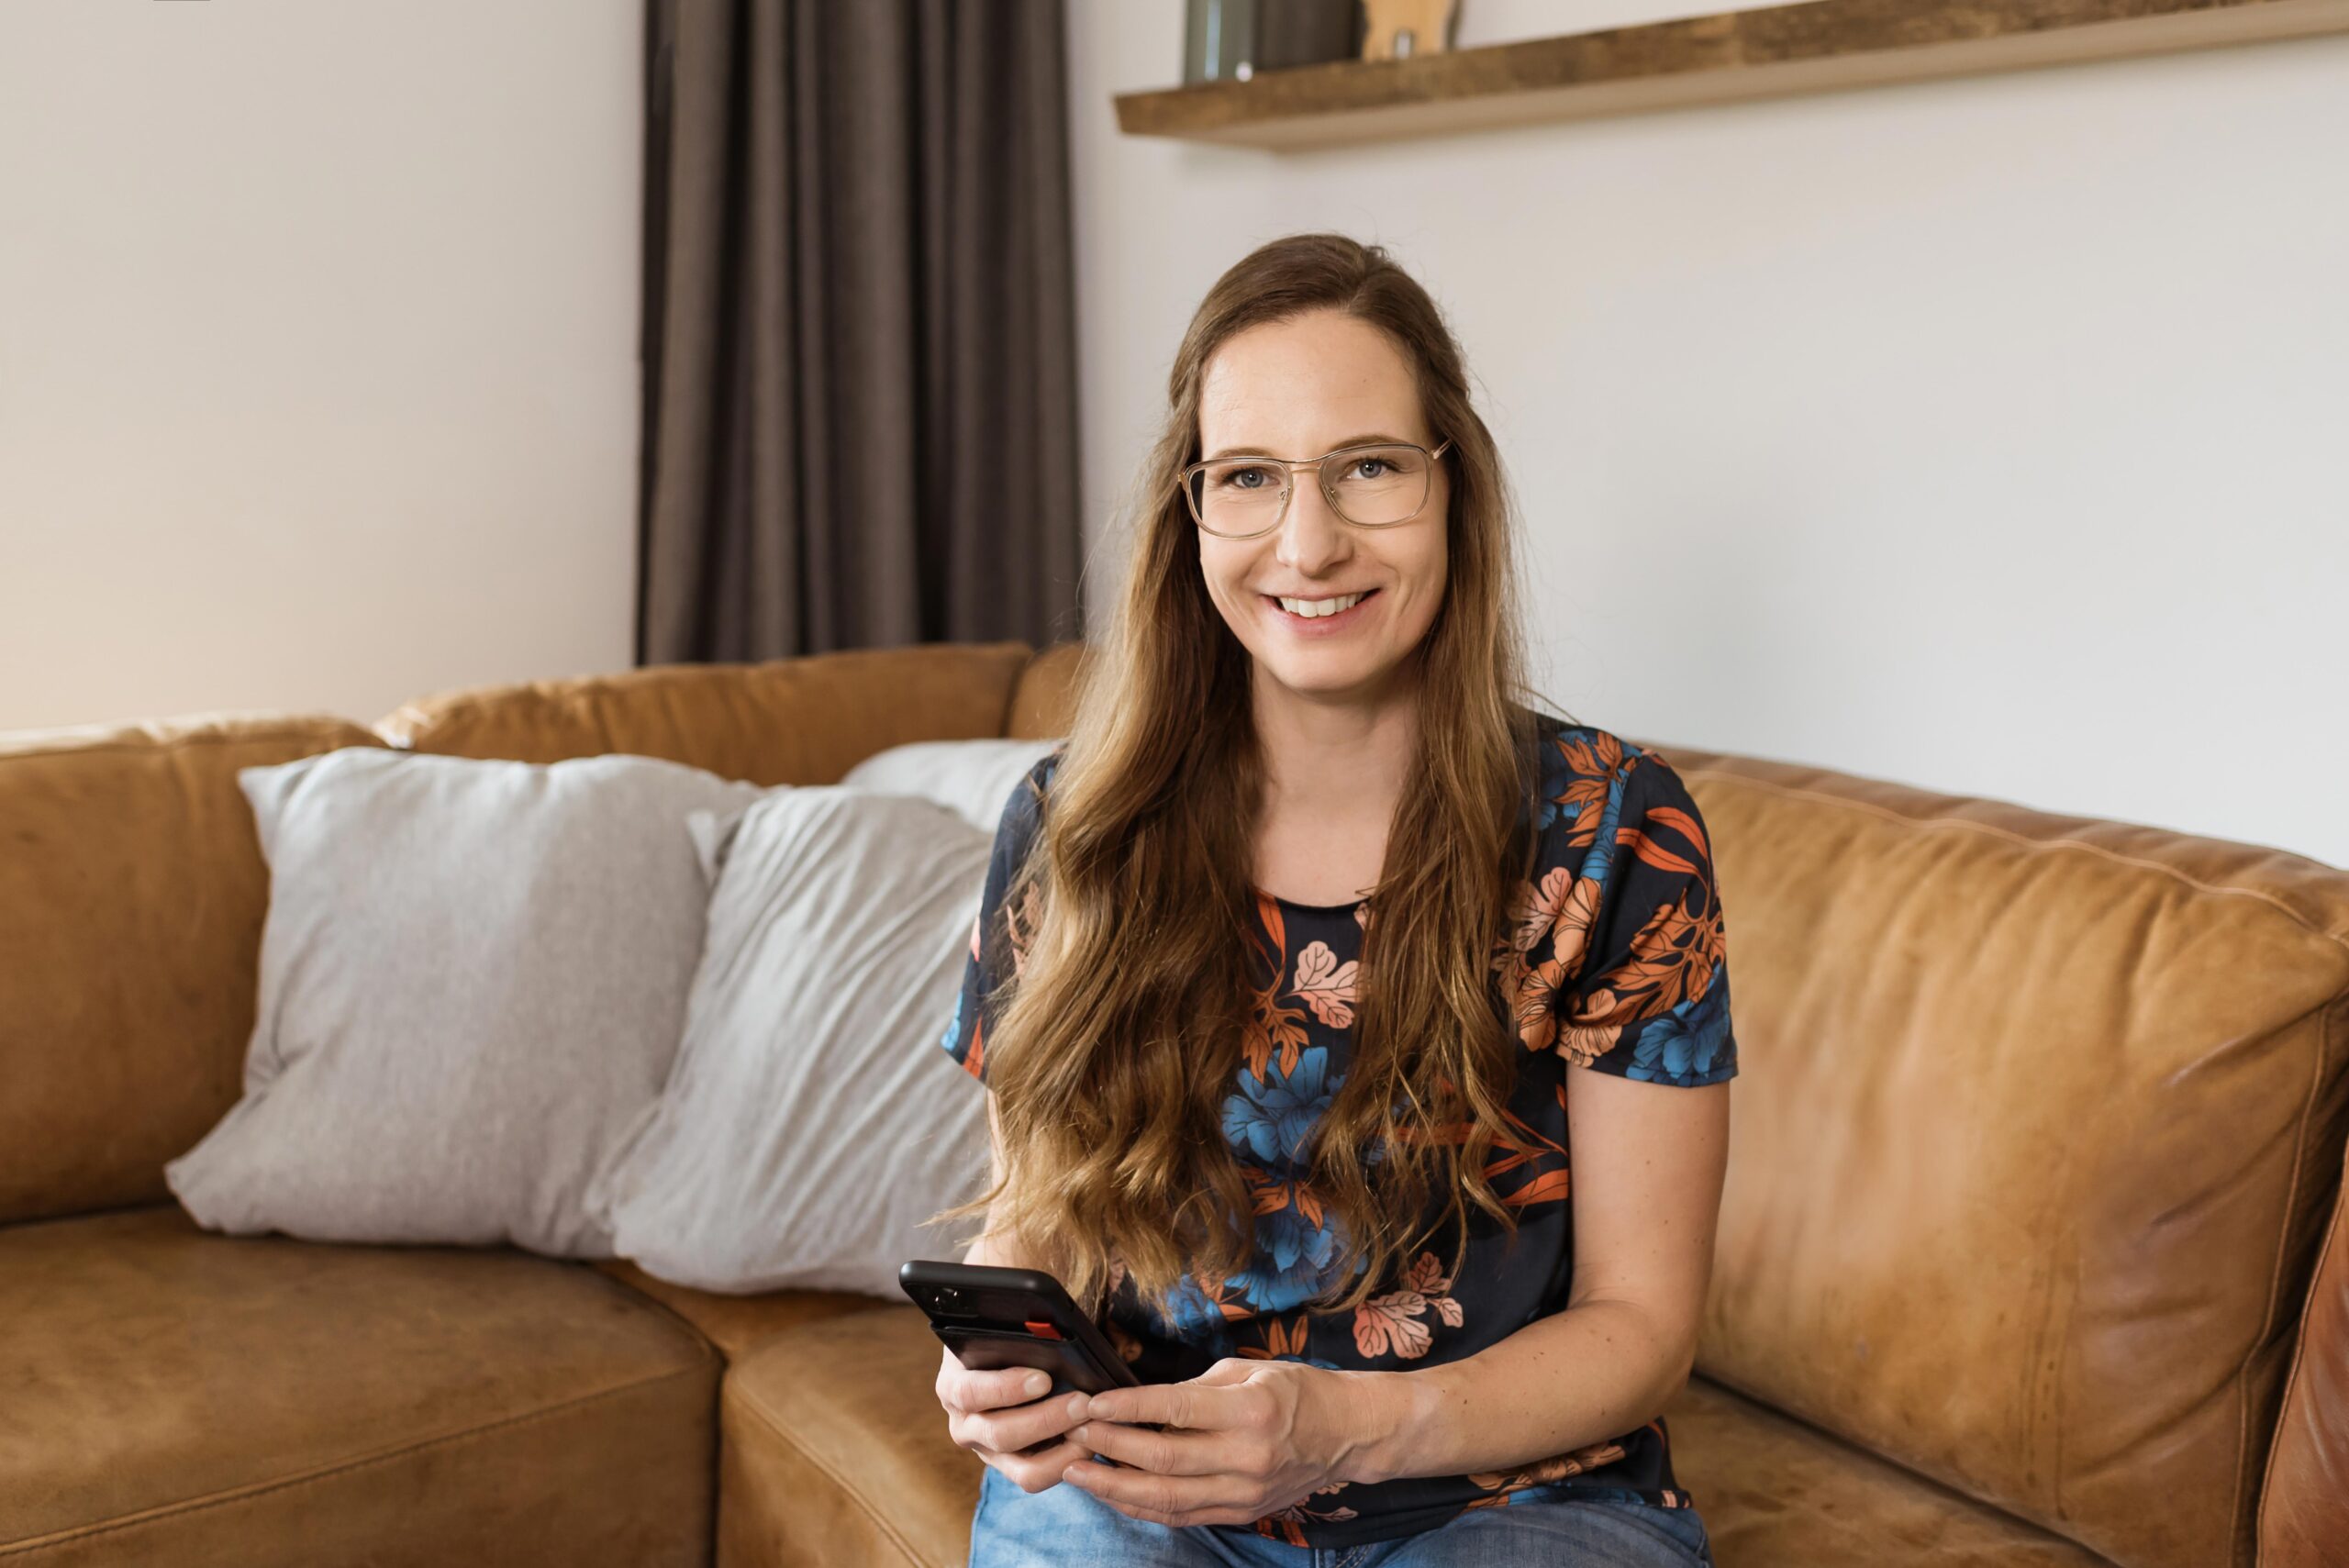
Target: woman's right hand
(998,1415)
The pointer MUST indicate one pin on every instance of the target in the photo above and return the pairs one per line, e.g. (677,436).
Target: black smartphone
(992,1316)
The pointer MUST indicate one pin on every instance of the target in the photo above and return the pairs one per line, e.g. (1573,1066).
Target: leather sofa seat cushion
(168,1395)
(835,1451)
(738,1325)
(787,722)
(1777,1494)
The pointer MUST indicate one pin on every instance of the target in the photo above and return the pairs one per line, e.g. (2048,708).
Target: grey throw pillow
(810,1126)
(974,777)
(472,981)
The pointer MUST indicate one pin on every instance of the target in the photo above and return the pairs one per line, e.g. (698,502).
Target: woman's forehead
(1294,388)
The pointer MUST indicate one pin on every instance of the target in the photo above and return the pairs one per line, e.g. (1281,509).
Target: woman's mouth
(1320,617)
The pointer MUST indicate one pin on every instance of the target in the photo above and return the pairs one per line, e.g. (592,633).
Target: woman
(1298,964)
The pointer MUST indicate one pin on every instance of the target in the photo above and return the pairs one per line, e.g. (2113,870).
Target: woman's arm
(1647,1174)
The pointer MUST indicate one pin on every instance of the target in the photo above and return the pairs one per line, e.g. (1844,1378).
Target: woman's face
(1298,389)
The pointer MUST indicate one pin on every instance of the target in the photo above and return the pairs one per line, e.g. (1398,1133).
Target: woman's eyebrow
(1370,440)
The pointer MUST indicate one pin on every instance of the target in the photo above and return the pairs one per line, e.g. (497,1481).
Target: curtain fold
(859,343)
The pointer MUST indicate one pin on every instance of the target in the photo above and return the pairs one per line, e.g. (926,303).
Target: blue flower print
(1190,1317)
(1270,1116)
(1292,1262)
(1602,848)
(1684,1045)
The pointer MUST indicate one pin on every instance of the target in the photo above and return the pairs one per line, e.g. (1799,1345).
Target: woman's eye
(1372,463)
(1232,476)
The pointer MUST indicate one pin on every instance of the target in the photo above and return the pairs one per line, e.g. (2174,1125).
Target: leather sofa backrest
(132,891)
(2041,1121)
(1043,702)
(796,721)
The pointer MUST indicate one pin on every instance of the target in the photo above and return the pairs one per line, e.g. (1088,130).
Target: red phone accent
(1044,1332)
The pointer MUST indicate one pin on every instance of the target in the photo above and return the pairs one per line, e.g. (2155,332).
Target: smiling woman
(1304,1152)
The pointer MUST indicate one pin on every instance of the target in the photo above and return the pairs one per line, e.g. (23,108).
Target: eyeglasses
(1373,486)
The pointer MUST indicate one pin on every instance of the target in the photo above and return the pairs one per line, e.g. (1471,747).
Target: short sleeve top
(1614,962)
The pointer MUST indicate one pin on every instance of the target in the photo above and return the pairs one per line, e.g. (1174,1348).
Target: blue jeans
(1063,1524)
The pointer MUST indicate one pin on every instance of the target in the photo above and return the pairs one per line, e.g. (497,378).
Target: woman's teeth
(1311,608)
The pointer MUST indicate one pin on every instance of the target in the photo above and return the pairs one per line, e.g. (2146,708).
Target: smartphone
(992,1316)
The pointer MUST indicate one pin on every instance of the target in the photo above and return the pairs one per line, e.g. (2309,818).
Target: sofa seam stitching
(1992,829)
(32,1544)
(751,1403)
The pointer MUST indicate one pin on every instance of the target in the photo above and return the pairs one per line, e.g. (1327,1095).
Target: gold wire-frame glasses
(1190,481)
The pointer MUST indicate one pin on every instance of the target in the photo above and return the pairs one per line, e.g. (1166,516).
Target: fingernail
(1080,1408)
(1038,1383)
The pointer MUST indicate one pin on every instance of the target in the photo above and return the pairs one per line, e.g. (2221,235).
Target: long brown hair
(1116,1045)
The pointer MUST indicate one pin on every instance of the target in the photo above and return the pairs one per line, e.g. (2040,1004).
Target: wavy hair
(1117,1043)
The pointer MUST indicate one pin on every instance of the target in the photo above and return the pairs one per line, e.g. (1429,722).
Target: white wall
(1986,434)
(318,350)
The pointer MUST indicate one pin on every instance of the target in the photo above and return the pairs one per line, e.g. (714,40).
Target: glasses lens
(1237,496)
(1374,485)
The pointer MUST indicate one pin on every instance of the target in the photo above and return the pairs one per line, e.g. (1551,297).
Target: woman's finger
(1180,1453)
(960,1388)
(1023,1426)
(1035,1472)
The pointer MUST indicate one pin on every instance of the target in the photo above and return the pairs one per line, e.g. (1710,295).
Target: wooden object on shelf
(1818,46)
(1401,29)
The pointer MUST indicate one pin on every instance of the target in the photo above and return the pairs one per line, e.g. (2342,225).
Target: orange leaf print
(1680,822)
(1535,907)
(1561,908)
(1544,1188)
(1280,1340)
(1672,958)
(1286,1525)
(1326,985)
(1425,1274)
(1555,1468)
(1270,1195)
(1533,1004)
(1426,1277)
(1214,1292)
(1390,1323)
(1270,1025)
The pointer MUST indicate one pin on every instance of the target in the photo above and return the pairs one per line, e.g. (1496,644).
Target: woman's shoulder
(1590,777)
(1573,750)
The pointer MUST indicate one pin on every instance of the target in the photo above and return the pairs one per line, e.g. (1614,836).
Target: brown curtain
(859,347)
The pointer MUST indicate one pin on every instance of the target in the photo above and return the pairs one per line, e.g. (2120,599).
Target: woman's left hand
(1245,1438)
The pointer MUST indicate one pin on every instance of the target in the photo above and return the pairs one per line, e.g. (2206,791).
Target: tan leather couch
(2031,1251)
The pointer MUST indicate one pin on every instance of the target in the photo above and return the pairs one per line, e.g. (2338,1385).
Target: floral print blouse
(1614,963)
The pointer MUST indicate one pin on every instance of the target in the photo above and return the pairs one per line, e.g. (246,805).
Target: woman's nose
(1312,534)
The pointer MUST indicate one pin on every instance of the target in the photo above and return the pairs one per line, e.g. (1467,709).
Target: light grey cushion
(473,980)
(810,1125)
(973,777)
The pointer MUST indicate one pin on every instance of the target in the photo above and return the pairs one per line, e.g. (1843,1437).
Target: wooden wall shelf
(1818,46)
